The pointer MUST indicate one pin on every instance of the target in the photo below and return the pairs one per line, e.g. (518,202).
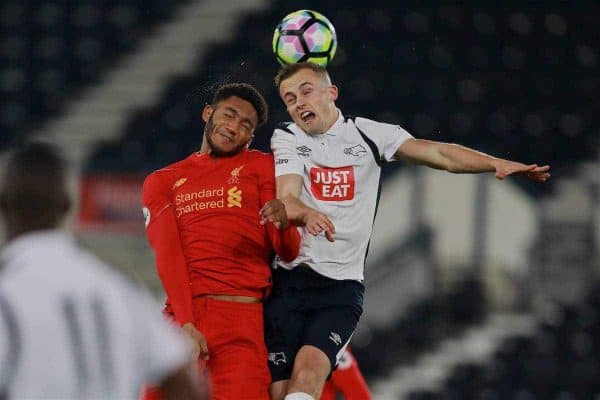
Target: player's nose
(232,127)
(300,103)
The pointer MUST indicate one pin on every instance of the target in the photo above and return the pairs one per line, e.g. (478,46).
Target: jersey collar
(337,125)
(28,244)
(206,156)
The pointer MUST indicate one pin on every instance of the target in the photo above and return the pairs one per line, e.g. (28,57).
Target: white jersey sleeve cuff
(287,160)
(387,137)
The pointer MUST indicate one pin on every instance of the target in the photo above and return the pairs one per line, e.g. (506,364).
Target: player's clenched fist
(316,222)
(274,211)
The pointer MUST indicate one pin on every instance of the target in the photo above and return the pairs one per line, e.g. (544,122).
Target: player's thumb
(329,236)
(203,350)
(194,350)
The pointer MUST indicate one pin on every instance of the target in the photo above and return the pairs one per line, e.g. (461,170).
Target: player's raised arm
(289,188)
(284,237)
(289,170)
(460,159)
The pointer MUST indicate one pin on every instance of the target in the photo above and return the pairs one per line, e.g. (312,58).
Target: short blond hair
(289,70)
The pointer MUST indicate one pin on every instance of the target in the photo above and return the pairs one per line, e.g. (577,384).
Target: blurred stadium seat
(559,361)
(51,49)
(518,79)
(493,79)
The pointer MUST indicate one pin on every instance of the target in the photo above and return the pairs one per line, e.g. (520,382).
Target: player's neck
(331,123)
(13,232)
(217,155)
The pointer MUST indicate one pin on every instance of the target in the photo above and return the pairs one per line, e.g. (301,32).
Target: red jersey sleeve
(163,235)
(286,242)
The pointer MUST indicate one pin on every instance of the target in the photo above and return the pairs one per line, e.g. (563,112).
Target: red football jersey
(203,222)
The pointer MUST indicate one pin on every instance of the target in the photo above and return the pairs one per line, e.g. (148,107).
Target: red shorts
(238,356)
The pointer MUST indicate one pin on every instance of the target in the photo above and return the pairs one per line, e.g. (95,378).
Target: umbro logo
(335,338)
(303,151)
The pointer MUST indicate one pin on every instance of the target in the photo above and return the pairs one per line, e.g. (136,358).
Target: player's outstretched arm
(289,187)
(284,237)
(460,159)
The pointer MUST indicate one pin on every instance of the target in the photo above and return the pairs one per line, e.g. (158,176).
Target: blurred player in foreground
(213,222)
(328,169)
(346,380)
(70,327)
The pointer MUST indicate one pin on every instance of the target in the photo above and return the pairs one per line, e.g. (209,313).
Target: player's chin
(299,122)
(224,151)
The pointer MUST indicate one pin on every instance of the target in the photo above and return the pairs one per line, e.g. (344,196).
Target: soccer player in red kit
(346,380)
(213,222)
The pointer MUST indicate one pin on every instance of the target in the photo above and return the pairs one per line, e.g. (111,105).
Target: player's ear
(249,142)
(333,92)
(207,112)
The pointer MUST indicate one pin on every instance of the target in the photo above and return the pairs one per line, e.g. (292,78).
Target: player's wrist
(284,225)
(495,164)
(310,213)
(188,325)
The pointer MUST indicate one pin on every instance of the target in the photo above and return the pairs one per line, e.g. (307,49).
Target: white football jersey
(341,171)
(71,328)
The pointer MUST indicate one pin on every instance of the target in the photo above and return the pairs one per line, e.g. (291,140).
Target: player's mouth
(307,116)
(224,136)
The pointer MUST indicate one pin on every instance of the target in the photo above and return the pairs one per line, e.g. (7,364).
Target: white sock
(298,396)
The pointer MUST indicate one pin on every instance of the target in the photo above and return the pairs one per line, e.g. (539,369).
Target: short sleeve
(387,137)
(287,161)
(155,197)
(165,347)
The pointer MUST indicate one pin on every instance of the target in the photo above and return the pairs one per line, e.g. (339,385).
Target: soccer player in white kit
(70,327)
(328,167)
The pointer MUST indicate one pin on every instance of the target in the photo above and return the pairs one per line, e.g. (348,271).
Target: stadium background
(476,288)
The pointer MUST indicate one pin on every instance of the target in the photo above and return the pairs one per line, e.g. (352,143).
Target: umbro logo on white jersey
(303,150)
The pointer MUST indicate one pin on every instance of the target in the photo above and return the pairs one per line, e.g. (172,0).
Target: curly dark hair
(247,92)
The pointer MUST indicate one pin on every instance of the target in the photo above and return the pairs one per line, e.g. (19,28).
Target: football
(304,35)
